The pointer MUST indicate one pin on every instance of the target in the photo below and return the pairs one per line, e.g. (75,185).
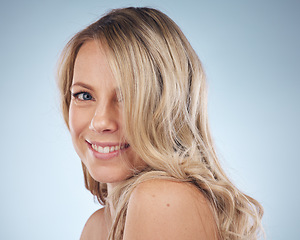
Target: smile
(109,149)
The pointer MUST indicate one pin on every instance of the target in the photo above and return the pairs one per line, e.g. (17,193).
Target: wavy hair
(163,87)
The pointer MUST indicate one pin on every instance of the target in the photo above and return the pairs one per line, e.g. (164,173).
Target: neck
(110,206)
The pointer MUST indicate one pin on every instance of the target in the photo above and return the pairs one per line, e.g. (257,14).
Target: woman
(134,99)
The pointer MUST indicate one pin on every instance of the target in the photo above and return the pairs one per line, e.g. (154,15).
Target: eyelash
(76,96)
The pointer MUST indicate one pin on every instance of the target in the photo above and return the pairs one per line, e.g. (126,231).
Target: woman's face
(96,121)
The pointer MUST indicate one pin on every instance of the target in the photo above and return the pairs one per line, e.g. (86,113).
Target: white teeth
(100,149)
(107,149)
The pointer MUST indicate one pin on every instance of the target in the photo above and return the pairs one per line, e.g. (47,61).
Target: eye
(83,96)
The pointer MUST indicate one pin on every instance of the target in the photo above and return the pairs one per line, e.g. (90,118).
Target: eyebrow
(81,85)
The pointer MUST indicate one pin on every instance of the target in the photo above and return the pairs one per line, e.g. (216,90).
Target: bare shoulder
(163,209)
(95,227)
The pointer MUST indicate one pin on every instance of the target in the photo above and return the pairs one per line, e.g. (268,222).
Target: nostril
(106,130)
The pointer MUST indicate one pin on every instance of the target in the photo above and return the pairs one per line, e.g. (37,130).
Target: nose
(104,120)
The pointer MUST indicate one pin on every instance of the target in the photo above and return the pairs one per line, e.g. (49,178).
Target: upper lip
(107,144)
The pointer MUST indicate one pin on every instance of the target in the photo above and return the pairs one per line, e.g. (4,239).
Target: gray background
(251,54)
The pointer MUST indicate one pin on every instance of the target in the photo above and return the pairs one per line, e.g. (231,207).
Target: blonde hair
(163,89)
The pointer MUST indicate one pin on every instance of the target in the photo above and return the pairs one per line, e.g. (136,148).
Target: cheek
(135,161)
(77,124)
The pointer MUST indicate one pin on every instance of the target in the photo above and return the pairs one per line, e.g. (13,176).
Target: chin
(106,175)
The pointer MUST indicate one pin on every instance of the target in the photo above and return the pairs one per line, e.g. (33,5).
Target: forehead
(91,53)
(91,65)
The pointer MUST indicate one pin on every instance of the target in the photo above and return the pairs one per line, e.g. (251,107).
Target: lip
(106,156)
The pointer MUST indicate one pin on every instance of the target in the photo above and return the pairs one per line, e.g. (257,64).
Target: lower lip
(105,156)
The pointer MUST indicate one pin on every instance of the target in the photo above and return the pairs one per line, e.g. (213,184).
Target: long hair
(163,89)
